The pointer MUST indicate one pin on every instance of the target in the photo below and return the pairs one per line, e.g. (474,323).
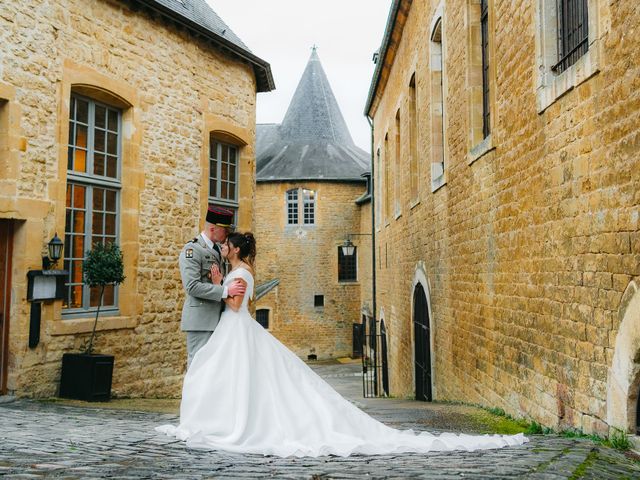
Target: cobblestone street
(52,440)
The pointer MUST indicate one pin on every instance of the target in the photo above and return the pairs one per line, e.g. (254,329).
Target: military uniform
(204,300)
(203,303)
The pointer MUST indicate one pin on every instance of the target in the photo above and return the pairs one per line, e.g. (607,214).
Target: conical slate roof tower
(313,141)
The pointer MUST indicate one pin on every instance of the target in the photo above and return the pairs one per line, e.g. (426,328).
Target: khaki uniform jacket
(201,310)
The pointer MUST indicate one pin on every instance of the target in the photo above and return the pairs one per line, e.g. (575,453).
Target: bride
(246,392)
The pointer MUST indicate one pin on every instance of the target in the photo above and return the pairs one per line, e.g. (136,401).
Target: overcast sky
(282,32)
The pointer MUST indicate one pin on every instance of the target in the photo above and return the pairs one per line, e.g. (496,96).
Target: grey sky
(347,32)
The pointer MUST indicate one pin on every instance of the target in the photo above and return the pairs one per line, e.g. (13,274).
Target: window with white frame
(92,200)
(301,200)
(223,175)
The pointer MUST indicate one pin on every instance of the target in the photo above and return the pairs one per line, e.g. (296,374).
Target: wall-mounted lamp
(44,285)
(348,248)
(54,248)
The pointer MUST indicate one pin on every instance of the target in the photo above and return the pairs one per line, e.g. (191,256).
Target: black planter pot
(86,376)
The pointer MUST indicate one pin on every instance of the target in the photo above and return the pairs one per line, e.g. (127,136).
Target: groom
(204,299)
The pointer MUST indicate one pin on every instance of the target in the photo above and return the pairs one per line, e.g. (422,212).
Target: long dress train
(246,392)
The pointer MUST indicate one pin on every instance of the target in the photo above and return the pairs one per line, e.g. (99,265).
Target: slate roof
(313,141)
(266,287)
(199,18)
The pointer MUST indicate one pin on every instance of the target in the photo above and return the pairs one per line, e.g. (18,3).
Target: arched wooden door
(421,330)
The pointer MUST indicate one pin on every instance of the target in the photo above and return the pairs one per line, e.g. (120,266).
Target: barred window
(484,28)
(262,317)
(347,266)
(301,200)
(573,32)
(292,207)
(92,199)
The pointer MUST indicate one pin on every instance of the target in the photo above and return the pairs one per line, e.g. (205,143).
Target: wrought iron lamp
(348,248)
(54,248)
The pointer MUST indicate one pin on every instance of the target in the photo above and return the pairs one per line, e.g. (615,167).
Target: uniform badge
(189,253)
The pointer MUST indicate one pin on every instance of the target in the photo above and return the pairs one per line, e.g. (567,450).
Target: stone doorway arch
(623,383)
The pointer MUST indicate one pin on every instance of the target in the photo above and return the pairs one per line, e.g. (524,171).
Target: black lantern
(54,247)
(348,248)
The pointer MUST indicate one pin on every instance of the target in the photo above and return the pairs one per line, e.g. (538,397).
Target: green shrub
(103,266)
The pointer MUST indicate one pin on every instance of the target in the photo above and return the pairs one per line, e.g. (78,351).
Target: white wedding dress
(246,392)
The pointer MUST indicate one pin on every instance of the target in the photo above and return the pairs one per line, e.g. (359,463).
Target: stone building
(507,172)
(310,195)
(119,121)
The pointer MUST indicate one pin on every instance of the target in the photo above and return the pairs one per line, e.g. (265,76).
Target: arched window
(413,141)
(397,171)
(387,180)
(301,206)
(437,107)
(94,164)
(223,174)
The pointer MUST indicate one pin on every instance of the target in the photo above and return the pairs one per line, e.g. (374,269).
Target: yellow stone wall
(173,90)
(528,247)
(305,260)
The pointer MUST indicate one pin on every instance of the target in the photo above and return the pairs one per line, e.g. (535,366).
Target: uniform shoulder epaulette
(195,240)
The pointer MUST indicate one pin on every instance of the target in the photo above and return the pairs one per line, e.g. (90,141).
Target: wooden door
(6,242)
(422,344)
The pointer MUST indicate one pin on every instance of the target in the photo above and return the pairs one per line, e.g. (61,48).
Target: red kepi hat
(220,216)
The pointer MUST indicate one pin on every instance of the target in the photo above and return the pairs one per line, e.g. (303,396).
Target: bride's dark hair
(246,242)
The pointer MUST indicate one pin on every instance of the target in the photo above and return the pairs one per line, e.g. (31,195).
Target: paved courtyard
(54,440)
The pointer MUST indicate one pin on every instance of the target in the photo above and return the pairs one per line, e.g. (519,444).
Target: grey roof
(200,18)
(379,55)
(313,141)
(266,287)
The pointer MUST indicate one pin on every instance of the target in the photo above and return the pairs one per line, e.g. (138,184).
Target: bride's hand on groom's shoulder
(216,274)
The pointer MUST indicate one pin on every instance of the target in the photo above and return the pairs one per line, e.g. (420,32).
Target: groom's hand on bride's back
(236,288)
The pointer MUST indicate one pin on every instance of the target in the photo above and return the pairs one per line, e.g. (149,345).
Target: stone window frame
(397,171)
(304,204)
(479,143)
(438,86)
(219,199)
(378,189)
(263,309)
(91,182)
(551,86)
(414,165)
(215,128)
(87,81)
(348,266)
(387,181)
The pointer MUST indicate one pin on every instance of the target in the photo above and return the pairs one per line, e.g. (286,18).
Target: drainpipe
(373,225)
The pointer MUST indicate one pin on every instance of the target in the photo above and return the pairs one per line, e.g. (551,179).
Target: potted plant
(87,375)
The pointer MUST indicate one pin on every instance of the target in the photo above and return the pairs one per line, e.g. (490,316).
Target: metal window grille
(347,266)
(292,207)
(484,27)
(262,317)
(92,200)
(318,300)
(223,173)
(309,206)
(573,32)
